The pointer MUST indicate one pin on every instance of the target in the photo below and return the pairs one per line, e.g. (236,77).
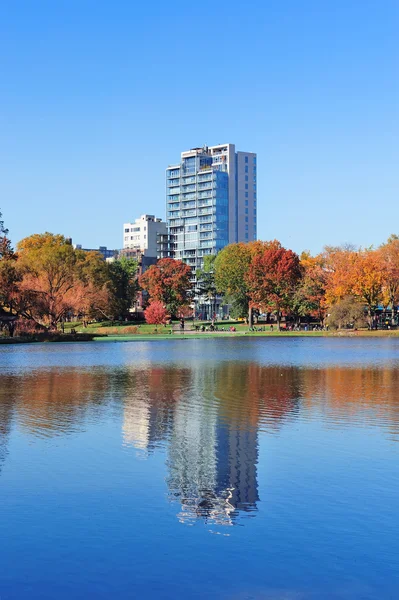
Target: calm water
(235,469)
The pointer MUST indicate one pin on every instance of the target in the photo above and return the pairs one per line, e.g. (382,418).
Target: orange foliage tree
(169,282)
(54,281)
(309,295)
(272,277)
(388,255)
(356,273)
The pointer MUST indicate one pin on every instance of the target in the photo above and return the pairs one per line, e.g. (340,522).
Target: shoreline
(84,337)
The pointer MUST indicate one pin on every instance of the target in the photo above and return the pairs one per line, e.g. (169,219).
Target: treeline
(344,283)
(45,280)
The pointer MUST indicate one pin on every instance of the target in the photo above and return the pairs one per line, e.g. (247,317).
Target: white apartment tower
(143,234)
(211,201)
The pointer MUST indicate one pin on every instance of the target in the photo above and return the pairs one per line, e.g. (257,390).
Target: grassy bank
(122,332)
(48,337)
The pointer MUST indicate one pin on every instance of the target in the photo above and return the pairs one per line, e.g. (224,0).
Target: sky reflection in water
(109,452)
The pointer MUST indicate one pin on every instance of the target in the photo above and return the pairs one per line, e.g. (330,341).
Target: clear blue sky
(98,97)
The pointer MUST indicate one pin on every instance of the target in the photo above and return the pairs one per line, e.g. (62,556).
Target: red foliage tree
(168,282)
(156,313)
(272,276)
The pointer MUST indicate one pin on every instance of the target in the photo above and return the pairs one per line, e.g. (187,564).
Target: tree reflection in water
(207,416)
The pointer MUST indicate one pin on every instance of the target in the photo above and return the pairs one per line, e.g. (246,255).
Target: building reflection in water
(207,418)
(212,438)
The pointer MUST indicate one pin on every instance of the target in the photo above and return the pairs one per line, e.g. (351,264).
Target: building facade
(106,253)
(143,234)
(211,202)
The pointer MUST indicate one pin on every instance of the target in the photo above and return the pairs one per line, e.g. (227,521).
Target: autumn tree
(169,282)
(367,280)
(388,255)
(356,273)
(59,280)
(339,268)
(272,277)
(309,295)
(156,313)
(94,293)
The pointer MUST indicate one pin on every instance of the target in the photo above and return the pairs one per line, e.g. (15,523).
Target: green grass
(131,331)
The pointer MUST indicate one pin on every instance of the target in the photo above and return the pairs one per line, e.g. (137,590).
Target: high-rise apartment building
(211,201)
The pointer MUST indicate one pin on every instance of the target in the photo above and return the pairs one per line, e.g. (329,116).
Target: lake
(240,469)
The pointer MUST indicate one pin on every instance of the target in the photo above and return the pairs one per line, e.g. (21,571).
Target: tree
(58,280)
(156,313)
(168,281)
(123,274)
(388,255)
(309,295)
(272,277)
(48,263)
(338,263)
(231,266)
(367,280)
(5,244)
(348,312)
(206,285)
(94,293)
(10,278)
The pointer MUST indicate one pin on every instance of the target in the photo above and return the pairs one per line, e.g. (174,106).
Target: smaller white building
(142,234)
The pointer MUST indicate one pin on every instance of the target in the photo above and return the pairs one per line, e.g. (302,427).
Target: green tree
(347,312)
(231,266)
(10,278)
(206,285)
(124,280)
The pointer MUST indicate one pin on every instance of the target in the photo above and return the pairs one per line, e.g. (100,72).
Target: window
(246,202)
(246,219)
(246,168)
(246,194)
(246,177)
(246,236)
(246,186)
(246,159)
(246,227)
(254,160)
(254,187)
(246,211)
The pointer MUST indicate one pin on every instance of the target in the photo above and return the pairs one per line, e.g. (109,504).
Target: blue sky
(97,98)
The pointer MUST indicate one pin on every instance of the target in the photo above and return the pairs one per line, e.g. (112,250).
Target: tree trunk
(278,320)
(250,316)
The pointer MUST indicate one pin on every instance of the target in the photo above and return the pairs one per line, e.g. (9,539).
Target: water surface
(232,468)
